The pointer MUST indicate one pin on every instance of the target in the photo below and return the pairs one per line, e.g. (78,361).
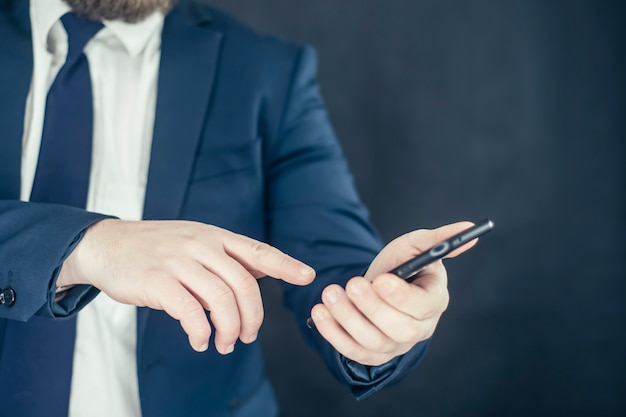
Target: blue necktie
(62,174)
(37,356)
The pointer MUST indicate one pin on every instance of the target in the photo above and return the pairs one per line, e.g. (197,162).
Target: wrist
(80,266)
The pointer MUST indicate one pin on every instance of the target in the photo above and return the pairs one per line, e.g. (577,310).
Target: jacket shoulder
(249,42)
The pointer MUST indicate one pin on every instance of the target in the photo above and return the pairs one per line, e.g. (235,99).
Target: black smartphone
(409,270)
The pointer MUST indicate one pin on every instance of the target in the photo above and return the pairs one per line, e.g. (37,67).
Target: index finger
(261,257)
(445,232)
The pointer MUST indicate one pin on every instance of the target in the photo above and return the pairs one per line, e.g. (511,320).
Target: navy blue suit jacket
(241,141)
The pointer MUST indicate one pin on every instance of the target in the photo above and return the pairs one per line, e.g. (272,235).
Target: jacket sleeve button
(7,296)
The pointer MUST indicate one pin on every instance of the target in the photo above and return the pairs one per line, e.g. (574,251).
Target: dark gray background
(462,110)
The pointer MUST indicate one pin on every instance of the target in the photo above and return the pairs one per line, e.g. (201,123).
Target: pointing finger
(261,257)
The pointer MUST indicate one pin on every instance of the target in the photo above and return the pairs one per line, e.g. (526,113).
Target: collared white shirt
(124,62)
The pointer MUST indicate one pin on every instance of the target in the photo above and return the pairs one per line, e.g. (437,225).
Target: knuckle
(400,296)
(380,344)
(426,312)
(193,323)
(415,238)
(210,228)
(252,311)
(189,306)
(202,331)
(167,267)
(224,312)
(260,249)
(406,337)
(222,296)
(284,263)
(168,295)
(157,274)
(353,352)
(247,284)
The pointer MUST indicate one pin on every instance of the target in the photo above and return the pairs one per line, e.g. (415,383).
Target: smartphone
(409,270)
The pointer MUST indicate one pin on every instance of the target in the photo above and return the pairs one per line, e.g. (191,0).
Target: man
(217,138)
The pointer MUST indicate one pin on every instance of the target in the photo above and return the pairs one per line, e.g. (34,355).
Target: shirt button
(7,297)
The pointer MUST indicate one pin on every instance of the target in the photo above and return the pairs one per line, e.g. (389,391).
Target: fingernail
(229,349)
(204,347)
(357,288)
(319,314)
(305,271)
(331,296)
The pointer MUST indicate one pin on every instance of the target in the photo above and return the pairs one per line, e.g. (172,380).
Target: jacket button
(7,296)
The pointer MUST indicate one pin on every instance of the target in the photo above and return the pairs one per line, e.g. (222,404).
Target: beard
(130,11)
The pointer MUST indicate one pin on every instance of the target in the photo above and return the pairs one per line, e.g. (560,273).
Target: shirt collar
(134,36)
(43,15)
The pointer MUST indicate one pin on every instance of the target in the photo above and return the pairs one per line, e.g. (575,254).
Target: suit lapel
(15,77)
(189,54)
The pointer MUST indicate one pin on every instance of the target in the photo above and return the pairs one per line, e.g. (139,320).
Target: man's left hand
(380,316)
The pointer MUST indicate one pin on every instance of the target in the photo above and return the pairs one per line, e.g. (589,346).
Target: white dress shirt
(124,63)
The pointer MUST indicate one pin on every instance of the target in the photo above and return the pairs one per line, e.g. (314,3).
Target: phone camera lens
(440,249)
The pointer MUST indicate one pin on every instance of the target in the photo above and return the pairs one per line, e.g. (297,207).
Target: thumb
(415,243)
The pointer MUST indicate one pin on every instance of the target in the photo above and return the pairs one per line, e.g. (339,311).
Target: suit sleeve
(315,212)
(35,239)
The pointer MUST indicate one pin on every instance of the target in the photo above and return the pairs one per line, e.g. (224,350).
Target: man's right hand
(183,268)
